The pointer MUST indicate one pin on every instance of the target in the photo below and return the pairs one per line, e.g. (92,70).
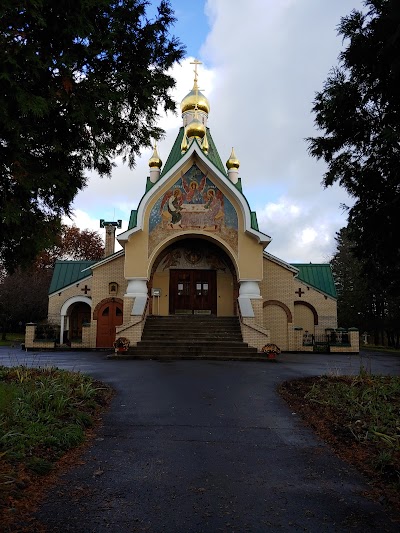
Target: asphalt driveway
(206,446)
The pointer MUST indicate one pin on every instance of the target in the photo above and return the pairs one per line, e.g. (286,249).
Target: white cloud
(263,62)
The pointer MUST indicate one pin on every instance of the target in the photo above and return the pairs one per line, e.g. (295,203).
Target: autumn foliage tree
(80,83)
(24,293)
(73,244)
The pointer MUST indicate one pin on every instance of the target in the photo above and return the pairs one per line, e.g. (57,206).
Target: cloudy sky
(263,62)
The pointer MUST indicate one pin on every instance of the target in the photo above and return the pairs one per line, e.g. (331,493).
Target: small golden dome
(233,161)
(195,129)
(155,160)
(193,98)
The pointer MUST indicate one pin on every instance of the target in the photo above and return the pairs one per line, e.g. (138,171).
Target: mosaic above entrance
(193,202)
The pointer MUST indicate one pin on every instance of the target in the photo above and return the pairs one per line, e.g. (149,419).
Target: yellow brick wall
(112,271)
(57,300)
(325,306)
(254,334)
(304,318)
(279,284)
(276,320)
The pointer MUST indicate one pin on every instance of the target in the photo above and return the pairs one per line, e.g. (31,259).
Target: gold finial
(184,143)
(204,144)
(233,161)
(155,160)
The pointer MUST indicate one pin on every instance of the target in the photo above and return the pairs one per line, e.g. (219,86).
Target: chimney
(110,241)
(110,227)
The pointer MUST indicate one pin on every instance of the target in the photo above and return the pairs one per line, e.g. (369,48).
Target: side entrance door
(109,316)
(193,292)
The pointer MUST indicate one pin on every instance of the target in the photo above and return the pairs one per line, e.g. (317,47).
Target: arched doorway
(74,312)
(109,315)
(193,276)
(79,314)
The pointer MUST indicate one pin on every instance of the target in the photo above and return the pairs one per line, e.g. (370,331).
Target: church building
(193,249)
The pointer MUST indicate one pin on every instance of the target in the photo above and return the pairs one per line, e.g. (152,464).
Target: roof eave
(62,289)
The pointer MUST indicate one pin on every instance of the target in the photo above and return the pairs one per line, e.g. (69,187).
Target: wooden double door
(193,292)
(110,315)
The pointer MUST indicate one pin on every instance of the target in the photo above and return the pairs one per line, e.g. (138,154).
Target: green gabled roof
(175,154)
(319,276)
(68,272)
(254,221)
(133,219)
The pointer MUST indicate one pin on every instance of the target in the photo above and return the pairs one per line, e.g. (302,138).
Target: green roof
(68,272)
(133,219)
(254,221)
(175,154)
(319,276)
(174,157)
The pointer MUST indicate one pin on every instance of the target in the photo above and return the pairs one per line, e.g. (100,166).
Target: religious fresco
(193,202)
(202,256)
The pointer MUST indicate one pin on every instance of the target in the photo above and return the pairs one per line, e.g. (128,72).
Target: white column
(62,329)
(136,287)
(249,289)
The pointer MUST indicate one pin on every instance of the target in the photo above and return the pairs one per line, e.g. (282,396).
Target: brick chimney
(109,247)
(110,227)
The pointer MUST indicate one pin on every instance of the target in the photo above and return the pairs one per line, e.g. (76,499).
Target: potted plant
(121,344)
(272,350)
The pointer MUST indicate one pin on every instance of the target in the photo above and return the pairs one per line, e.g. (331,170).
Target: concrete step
(191,337)
(150,334)
(181,343)
(190,350)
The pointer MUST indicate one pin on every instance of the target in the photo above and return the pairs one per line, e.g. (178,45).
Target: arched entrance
(193,276)
(109,314)
(80,314)
(74,312)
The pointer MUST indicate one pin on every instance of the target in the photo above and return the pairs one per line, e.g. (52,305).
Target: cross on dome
(195,63)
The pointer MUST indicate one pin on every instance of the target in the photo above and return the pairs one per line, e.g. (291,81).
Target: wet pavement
(204,446)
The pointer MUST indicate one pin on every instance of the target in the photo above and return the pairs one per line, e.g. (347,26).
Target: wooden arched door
(110,315)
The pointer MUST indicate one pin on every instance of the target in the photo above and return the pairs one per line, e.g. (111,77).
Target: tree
(73,244)
(24,293)
(359,113)
(80,83)
(23,298)
(363,302)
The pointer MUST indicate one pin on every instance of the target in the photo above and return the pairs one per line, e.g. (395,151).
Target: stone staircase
(191,337)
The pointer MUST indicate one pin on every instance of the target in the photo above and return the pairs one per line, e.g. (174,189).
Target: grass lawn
(359,417)
(382,349)
(13,339)
(44,414)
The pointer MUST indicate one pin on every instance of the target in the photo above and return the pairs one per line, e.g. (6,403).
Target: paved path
(205,446)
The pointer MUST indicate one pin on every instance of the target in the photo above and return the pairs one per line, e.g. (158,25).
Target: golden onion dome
(155,160)
(193,98)
(195,128)
(233,161)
